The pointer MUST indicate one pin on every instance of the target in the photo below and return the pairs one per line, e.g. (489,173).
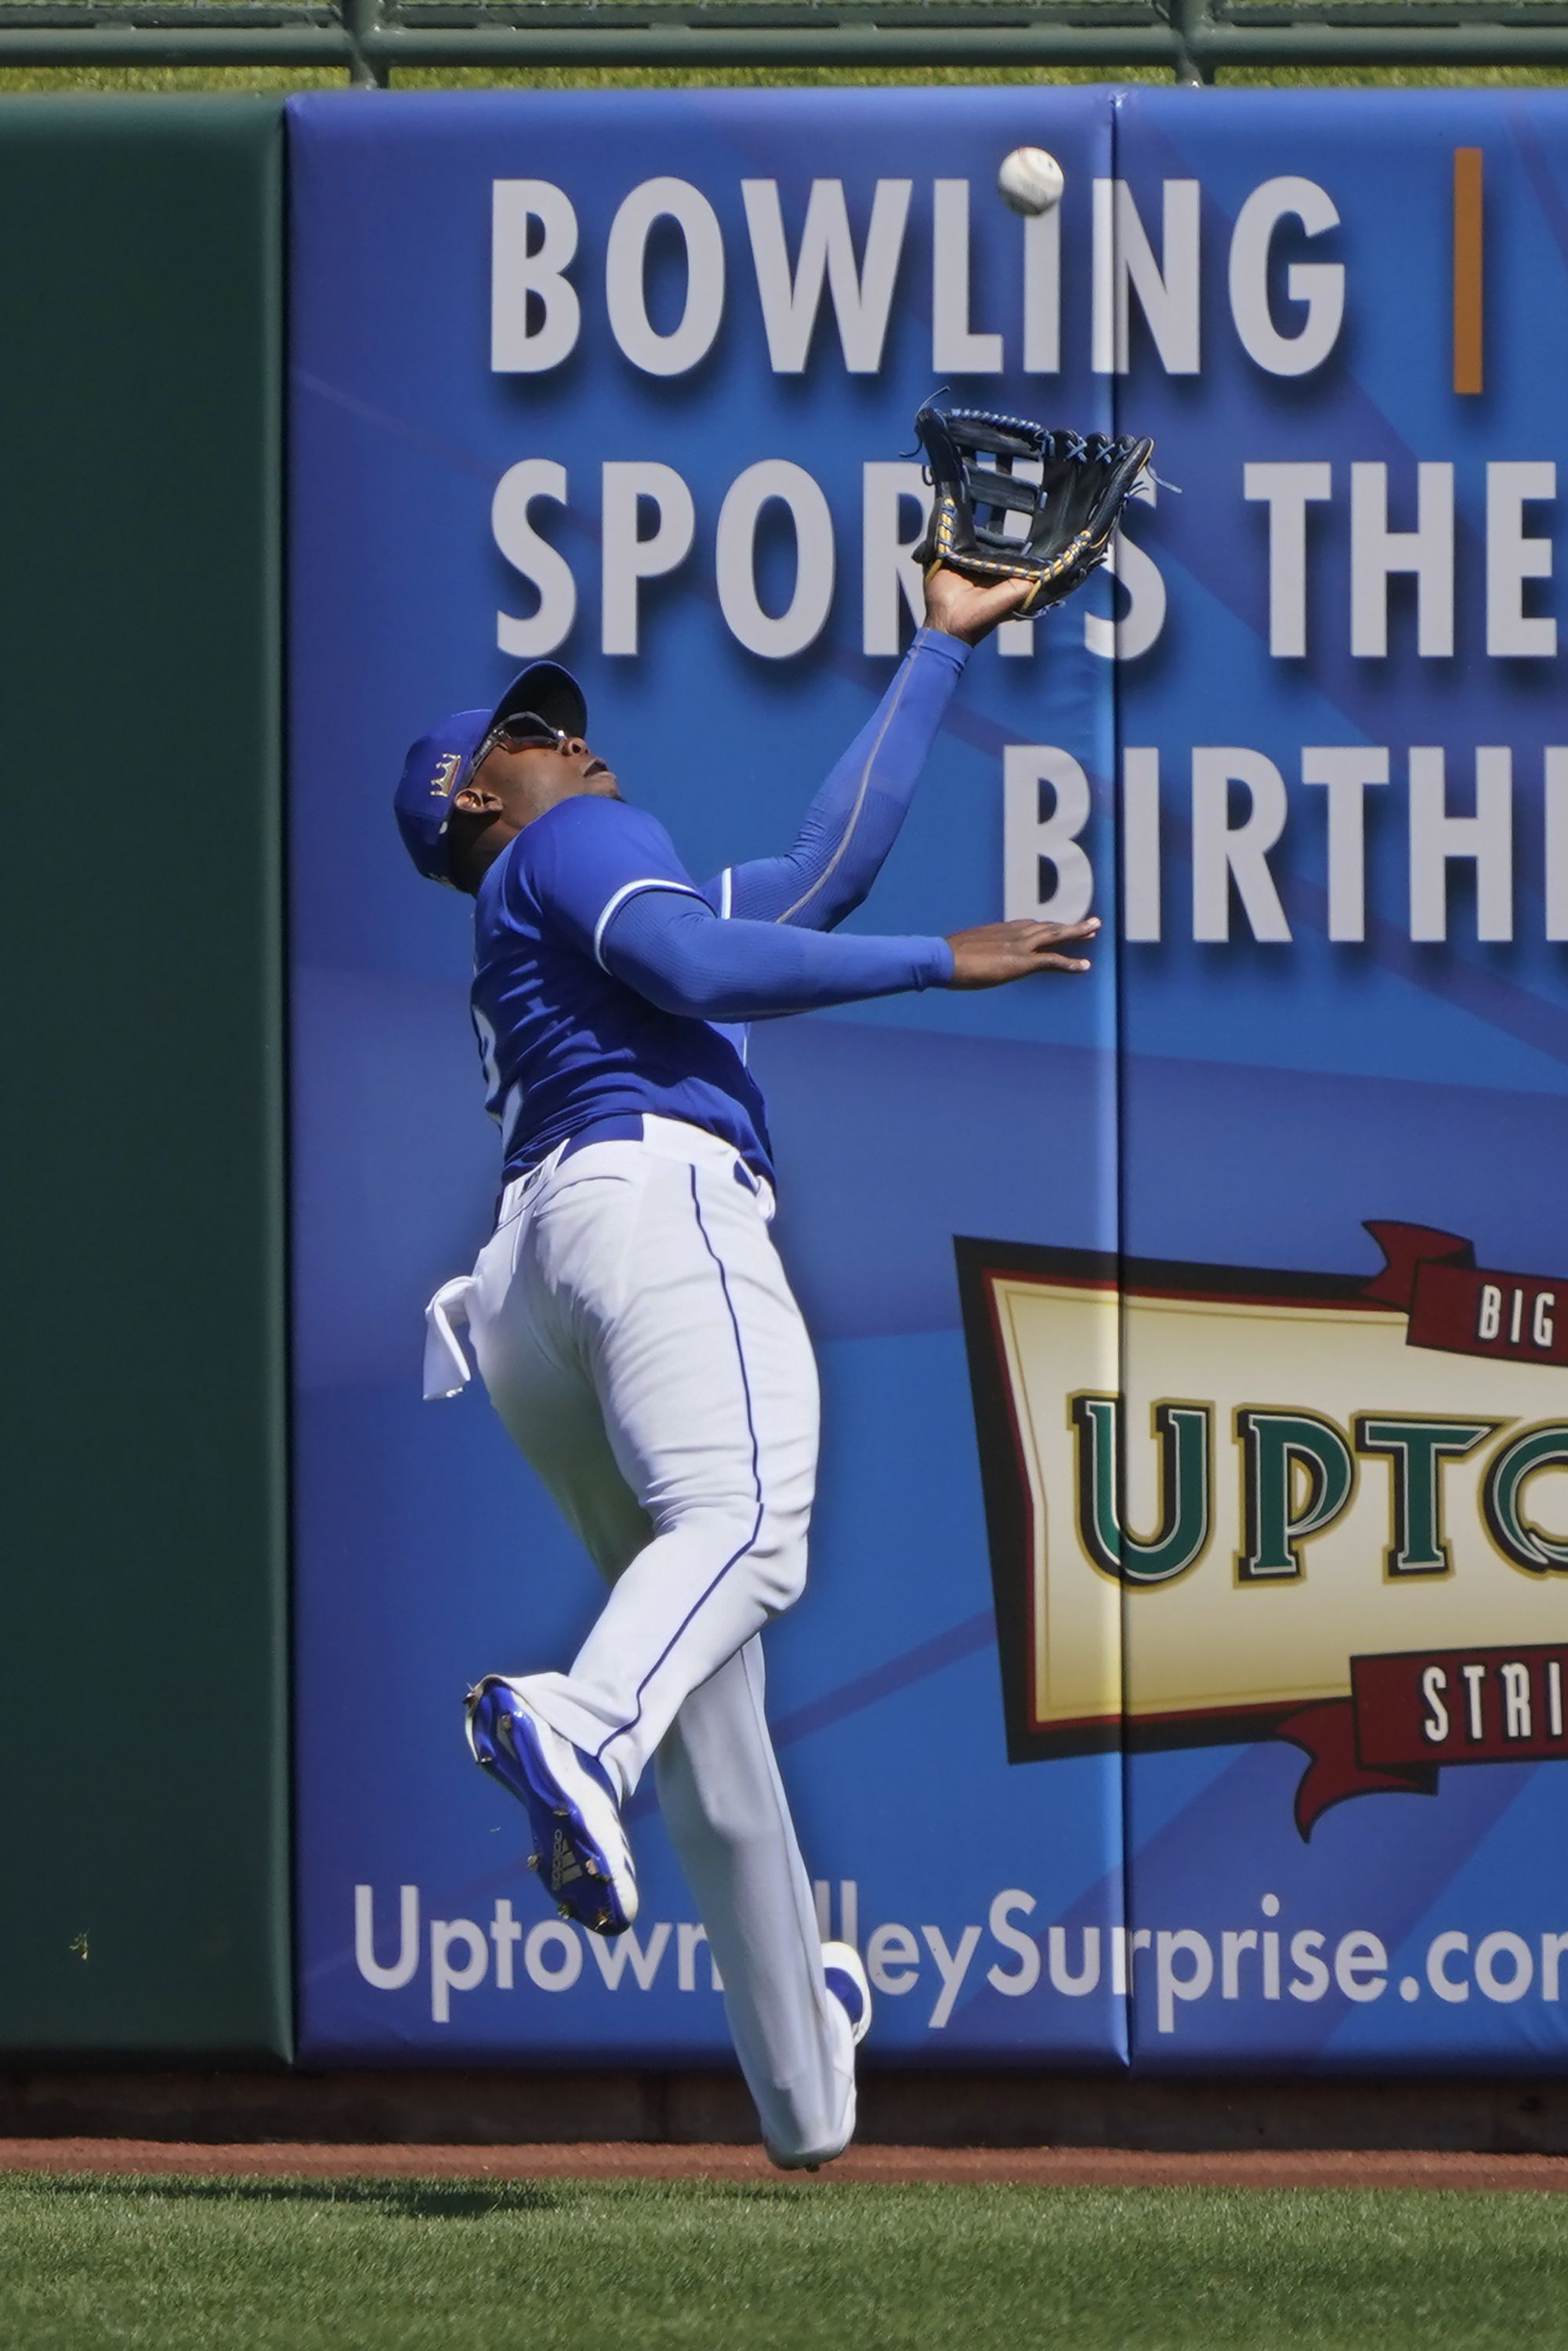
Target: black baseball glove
(1014,501)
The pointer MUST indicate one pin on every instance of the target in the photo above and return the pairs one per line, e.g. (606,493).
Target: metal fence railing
(1190,39)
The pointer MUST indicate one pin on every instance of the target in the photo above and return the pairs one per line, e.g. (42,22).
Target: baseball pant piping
(646,1273)
(757,1479)
(609,1233)
(728,1819)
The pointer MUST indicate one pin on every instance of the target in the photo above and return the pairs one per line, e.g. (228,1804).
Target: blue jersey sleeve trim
(632,890)
(890,712)
(689,962)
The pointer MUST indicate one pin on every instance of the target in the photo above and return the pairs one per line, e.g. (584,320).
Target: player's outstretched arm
(855,818)
(674,950)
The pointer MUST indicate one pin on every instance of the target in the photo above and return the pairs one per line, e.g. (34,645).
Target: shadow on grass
(410,2200)
(420,2199)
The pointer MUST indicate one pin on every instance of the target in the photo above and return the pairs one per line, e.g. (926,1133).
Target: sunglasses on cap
(522,730)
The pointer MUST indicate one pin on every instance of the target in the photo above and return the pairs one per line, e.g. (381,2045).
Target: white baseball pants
(638,1339)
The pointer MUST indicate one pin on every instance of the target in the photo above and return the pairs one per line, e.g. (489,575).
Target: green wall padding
(143,1768)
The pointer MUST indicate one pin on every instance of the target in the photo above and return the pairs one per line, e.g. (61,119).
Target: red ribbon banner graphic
(1410,1714)
(1463,1309)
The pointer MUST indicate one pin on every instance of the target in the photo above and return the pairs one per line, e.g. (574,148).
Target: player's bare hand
(961,609)
(997,952)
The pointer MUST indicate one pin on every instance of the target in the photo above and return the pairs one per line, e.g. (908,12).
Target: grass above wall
(192,2264)
(57,80)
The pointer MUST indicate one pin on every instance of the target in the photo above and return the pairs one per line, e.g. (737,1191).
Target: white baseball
(1029,181)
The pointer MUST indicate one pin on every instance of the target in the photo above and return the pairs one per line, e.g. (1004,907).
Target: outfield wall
(1209,1712)
(1180,1684)
(144,1830)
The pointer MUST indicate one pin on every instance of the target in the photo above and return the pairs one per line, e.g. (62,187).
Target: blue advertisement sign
(633,380)
(1345,1024)
(1179,1676)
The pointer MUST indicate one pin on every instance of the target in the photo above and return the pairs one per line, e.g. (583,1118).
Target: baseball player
(630,1315)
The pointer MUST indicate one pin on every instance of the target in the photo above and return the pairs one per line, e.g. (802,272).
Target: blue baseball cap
(440,763)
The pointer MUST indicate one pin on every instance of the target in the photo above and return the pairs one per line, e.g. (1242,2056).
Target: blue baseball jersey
(566,1040)
(561,1039)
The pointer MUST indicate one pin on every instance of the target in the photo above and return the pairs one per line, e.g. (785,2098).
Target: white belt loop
(676,1138)
(519,1190)
(446,1368)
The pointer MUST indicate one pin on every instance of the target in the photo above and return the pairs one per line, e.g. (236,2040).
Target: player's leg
(719,1790)
(661,1267)
(725,1806)
(549,1411)
(546,1404)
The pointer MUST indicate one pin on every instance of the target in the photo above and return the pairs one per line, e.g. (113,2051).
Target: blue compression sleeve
(854,820)
(675,950)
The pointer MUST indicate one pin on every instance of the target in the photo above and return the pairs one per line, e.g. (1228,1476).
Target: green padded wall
(144,1770)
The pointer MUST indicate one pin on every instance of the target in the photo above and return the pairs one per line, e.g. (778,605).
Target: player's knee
(779,1558)
(768,1545)
(786,1580)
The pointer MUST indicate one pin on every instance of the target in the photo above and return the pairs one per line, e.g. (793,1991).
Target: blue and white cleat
(846,1979)
(580,1851)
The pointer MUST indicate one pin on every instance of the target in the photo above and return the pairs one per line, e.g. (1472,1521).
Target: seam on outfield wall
(1119,1179)
(280,1238)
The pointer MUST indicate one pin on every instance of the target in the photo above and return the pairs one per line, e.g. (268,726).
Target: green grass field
(178,2265)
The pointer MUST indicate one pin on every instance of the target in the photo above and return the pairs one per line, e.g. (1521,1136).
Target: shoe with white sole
(846,1979)
(580,1851)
